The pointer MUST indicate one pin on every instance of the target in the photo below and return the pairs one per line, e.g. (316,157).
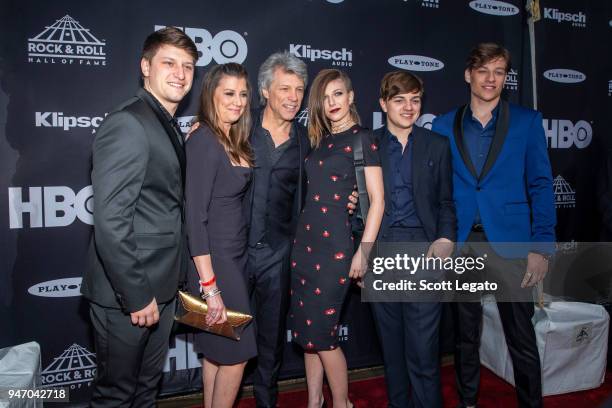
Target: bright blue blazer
(514,192)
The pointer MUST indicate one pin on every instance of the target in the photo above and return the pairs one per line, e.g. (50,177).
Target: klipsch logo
(576,19)
(339,58)
(563,134)
(565,76)
(226,46)
(67,287)
(565,196)
(59,120)
(66,42)
(493,7)
(416,63)
(511,83)
(61,206)
(75,367)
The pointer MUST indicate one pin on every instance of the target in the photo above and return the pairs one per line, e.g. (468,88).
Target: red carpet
(494,393)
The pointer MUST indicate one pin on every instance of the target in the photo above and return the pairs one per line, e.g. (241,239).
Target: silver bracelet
(212,293)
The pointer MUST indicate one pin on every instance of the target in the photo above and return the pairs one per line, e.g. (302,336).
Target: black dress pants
(269,277)
(518,331)
(130,358)
(409,334)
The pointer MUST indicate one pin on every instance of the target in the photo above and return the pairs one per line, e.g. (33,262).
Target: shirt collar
(159,106)
(392,138)
(259,124)
(494,113)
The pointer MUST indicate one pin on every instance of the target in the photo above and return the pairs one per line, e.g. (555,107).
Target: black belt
(478,228)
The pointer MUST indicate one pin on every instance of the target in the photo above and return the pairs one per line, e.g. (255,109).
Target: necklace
(343,126)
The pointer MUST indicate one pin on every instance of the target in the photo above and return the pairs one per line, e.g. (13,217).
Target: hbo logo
(60,206)
(226,46)
(563,134)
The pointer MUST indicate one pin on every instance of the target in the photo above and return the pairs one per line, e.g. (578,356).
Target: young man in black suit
(419,208)
(137,251)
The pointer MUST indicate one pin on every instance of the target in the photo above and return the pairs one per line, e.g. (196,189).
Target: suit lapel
(459,141)
(175,138)
(501,129)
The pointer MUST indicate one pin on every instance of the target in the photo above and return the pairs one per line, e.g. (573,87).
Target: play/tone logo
(59,120)
(416,63)
(226,46)
(564,76)
(565,196)
(563,134)
(339,58)
(59,204)
(66,42)
(511,83)
(495,8)
(75,367)
(66,287)
(576,19)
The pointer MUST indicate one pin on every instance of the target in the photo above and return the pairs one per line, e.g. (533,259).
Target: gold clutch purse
(191,310)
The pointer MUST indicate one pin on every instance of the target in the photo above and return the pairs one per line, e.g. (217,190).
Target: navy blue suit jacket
(432,180)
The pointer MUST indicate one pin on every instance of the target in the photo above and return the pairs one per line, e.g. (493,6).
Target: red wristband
(208,282)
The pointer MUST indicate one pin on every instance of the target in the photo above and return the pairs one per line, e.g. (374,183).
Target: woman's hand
(358,266)
(216,310)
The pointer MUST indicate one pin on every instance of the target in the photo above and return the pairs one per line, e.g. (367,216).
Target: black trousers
(409,334)
(518,331)
(269,278)
(130,358)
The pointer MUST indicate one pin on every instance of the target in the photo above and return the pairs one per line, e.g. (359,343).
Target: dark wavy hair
(484,53)
(237,144)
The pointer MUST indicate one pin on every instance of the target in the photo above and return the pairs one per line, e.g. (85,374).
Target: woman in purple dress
(322,259)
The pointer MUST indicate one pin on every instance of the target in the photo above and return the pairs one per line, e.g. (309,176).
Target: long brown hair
(318,124)
(237,145)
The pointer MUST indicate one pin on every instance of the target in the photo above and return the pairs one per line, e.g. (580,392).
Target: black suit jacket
(432,179)
(137,250)
(286,187)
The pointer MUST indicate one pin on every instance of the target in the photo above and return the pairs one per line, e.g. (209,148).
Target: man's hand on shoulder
(146,317)
(352,204)
(193,128)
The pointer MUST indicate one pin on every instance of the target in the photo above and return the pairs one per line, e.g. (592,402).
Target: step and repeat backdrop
(65,64)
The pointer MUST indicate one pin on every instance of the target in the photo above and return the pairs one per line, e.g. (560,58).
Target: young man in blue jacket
(503,192)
